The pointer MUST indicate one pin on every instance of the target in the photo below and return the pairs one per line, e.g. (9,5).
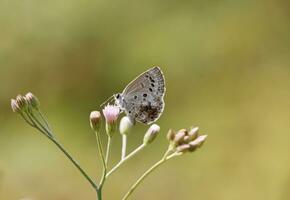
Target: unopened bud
(15,106)
(125,125)
(170,135)
(151,134)
(32,100)
(21,102)
(192,134)
(95,120)
(197,143)
(179,137)
(183,148)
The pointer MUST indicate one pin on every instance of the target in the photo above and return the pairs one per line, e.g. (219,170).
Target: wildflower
(95,120)
(32,100)
(111,114)
(125,125)
(151,134)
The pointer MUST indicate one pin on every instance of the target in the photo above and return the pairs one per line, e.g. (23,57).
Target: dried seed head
(32,100)
(151,134)
(95,120)
(15,106)
(171,134)
(125,125)
(21,102)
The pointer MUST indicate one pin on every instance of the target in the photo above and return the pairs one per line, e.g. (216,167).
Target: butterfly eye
(118,96)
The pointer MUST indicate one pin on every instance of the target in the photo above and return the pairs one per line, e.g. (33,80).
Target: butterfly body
(142,100)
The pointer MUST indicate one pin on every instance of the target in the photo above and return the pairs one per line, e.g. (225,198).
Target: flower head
(111,114)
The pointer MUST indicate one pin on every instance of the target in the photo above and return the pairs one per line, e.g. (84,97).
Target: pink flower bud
(111,114)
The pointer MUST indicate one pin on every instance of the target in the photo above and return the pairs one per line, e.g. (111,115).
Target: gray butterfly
(142,99)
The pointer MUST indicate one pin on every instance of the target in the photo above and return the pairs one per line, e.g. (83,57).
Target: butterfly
(143,98)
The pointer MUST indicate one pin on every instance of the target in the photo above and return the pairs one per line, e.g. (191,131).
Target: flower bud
(151,134)
(32,100)
(95,120)
(15,106)
(197,142)
(192,134)
(21,102)
(125,125)
(170,135)
(111,114)
(179,137)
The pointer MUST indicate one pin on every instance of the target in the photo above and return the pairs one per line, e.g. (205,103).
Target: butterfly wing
(143,97)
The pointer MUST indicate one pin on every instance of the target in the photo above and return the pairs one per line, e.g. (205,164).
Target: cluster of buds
(185,141)
(22,103)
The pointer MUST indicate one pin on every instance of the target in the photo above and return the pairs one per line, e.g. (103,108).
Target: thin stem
(33,124)
(27,120)
(124,146)
(126,158)
(100,150)
(108,150)
(39,123)
(36,124)
(43,119)
(76,164)
(151,169)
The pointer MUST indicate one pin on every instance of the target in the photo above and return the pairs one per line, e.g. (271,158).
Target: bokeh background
(227,67)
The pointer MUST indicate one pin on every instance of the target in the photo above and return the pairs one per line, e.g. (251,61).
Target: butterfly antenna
(107,100)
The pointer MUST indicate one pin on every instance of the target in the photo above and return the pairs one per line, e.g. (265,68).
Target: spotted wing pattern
(143,97)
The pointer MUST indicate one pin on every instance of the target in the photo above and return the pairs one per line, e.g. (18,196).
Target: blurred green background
(227,69)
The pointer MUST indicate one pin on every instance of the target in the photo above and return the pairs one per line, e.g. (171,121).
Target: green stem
(108,150)
(32,123)
(125,159)
(151,169)
(43,119)
(48,131)
(36,124)
(100,150)
(76,164)
(124,146)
